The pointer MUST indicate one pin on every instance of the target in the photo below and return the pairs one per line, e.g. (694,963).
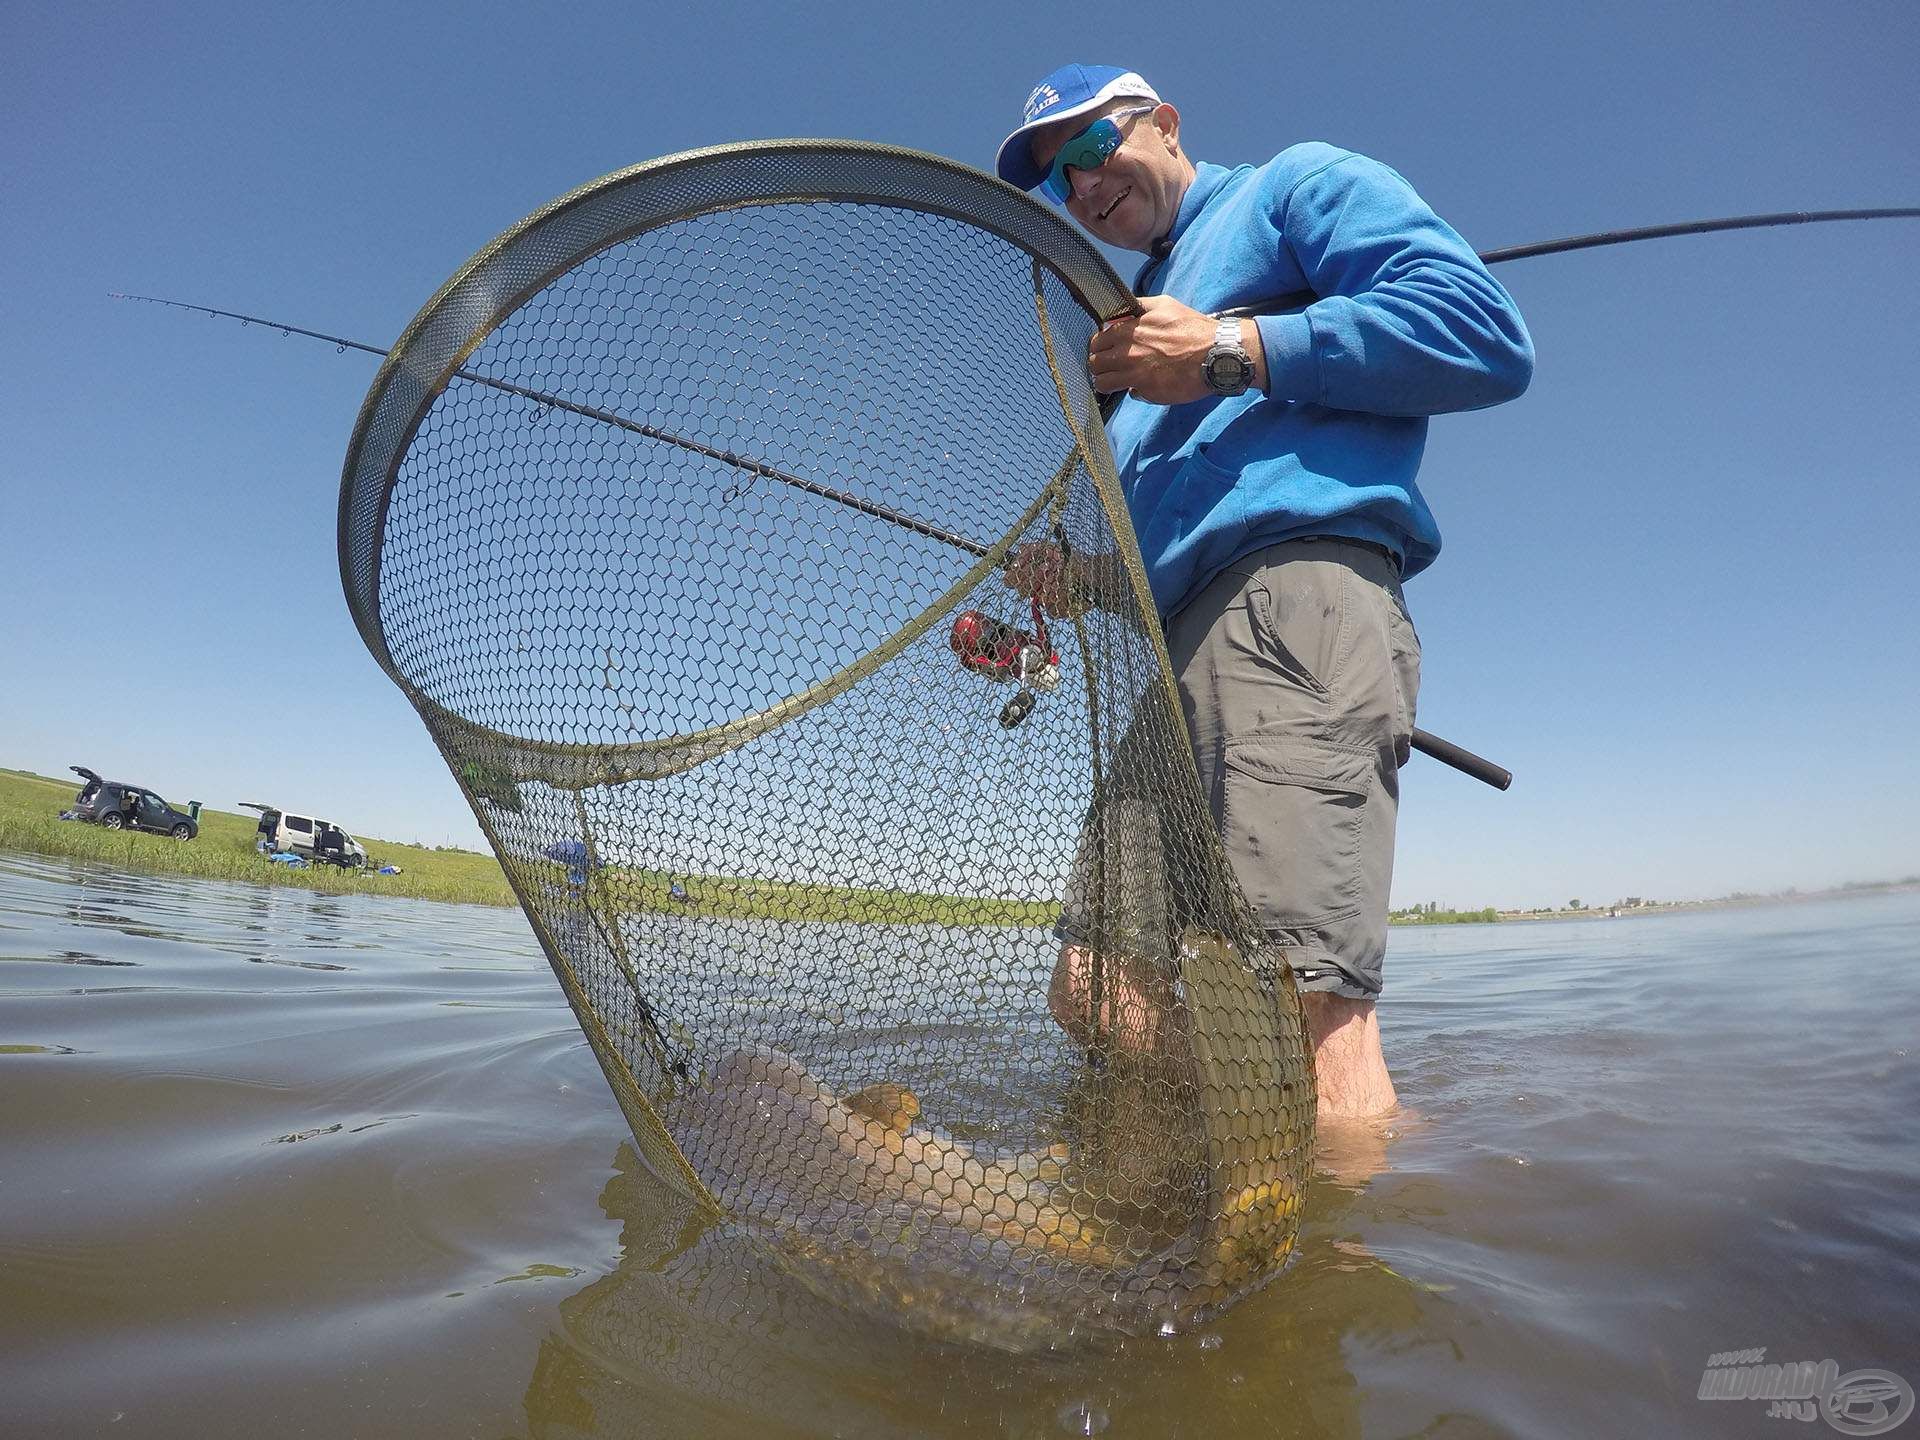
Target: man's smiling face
(1132,200)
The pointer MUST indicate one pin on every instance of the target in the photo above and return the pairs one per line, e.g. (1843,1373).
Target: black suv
(120,806)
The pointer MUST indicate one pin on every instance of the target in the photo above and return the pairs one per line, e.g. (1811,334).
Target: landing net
(682,515)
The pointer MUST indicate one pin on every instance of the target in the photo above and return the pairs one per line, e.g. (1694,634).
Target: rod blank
(1617,237)
(1444,751)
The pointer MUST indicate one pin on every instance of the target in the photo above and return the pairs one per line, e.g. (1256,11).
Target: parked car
(321,841)
(120,806)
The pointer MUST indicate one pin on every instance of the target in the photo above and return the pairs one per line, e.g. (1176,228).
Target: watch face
(1228,373)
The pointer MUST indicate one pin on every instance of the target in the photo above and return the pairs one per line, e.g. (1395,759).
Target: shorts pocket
(1301,612)
(1293,818)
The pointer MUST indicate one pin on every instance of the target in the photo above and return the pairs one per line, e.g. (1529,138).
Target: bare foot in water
(1351,1152)
(1347,1063)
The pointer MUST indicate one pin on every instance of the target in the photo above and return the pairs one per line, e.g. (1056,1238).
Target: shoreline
(224,850)
(1736,901)
(1722,902)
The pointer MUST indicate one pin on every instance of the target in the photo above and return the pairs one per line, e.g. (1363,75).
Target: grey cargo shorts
(1299,670)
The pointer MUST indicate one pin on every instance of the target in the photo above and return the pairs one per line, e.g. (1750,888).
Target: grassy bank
(773,900)
(30,806)
(1433,915)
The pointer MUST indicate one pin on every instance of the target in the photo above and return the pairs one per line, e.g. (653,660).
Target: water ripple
(345,1165)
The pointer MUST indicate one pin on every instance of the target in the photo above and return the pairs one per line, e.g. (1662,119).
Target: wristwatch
(1228,367)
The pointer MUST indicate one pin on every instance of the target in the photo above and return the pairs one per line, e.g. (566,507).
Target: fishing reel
(1004,653)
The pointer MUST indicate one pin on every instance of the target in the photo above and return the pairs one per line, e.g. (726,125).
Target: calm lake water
(283,1164)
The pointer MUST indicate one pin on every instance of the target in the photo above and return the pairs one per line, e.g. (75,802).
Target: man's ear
(1166,120)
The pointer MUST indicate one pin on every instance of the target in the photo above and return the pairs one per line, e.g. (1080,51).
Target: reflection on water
(698,1331)
(273,1163)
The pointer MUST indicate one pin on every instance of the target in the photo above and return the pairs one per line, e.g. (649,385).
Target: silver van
(310,836)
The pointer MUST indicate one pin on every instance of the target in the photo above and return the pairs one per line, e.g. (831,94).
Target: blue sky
(1674,597)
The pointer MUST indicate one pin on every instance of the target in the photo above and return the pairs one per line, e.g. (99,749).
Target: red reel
(987,646)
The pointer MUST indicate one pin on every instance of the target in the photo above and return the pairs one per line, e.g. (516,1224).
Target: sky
(1674,593)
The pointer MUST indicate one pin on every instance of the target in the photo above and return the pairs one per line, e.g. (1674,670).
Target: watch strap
(1226,345)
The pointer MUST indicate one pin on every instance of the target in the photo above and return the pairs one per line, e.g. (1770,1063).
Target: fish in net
(886,898)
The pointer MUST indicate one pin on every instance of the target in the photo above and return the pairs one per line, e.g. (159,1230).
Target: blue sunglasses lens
(1088,150)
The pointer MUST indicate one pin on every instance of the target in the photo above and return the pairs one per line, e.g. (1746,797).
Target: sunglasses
(1089,149)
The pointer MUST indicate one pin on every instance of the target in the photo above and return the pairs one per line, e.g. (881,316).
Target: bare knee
(1068,994)
(1328,1013)
(1108,999)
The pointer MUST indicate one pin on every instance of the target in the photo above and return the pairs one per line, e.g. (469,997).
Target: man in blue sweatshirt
(1269,466)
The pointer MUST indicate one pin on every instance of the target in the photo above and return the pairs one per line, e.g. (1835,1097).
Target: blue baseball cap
(1070,90)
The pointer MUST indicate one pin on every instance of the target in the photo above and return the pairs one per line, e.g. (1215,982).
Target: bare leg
(1344,1033)
(1347,1063)
(1132,1000)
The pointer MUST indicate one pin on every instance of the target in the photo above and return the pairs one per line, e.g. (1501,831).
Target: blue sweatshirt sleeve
(1409,323)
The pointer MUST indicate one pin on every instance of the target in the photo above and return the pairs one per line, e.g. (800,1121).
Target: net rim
(446,331)
(1218,975)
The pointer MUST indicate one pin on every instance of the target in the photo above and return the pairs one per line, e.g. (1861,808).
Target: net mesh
(887,899)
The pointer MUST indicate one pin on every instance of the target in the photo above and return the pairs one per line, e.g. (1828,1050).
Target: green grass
(1420,916)
(639,890)
(30,806)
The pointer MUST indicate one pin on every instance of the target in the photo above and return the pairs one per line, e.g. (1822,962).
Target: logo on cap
(1042,98)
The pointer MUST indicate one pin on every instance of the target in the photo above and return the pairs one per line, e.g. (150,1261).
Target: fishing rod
(608,417)
(1432,745)
(1444,751)
(1619,237)
(961,542)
